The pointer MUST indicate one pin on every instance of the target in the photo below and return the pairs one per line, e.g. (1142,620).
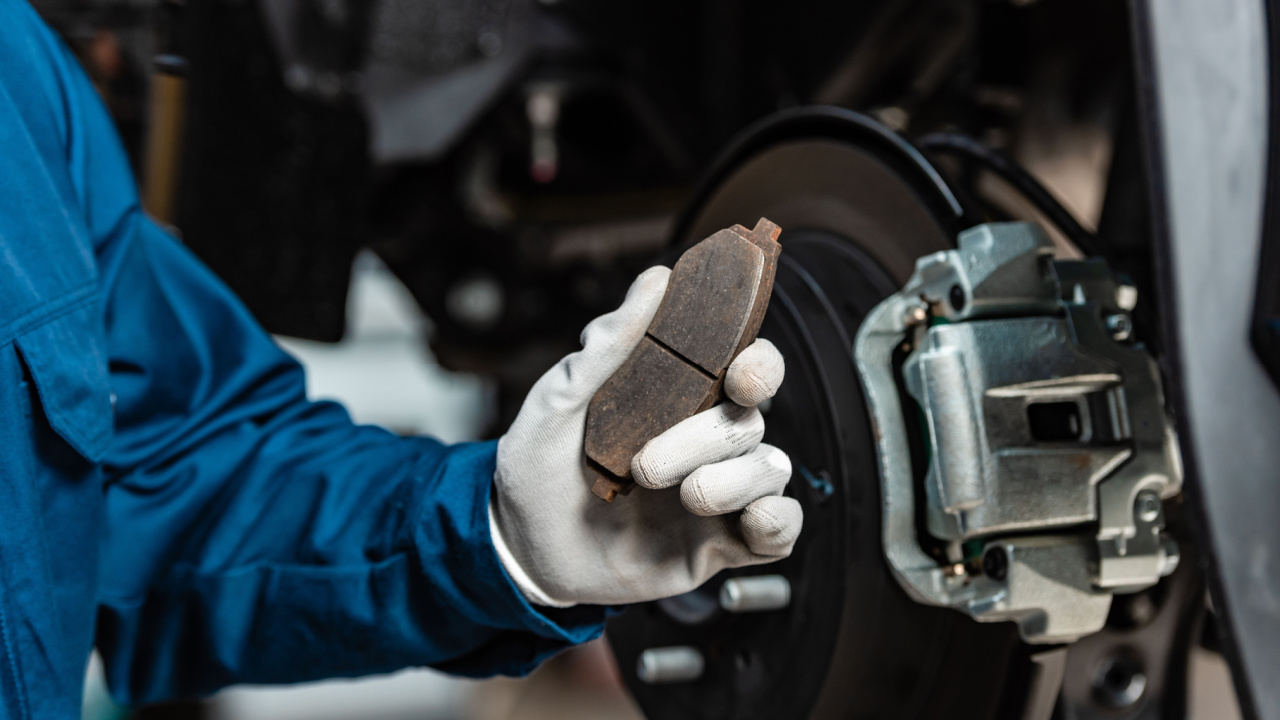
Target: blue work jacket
(167,492)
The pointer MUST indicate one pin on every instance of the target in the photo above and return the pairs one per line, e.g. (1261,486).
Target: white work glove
(562,545)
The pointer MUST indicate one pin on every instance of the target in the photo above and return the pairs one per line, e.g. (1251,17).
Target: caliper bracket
(1049,449)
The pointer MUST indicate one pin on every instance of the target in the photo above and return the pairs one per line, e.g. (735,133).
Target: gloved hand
(562,545)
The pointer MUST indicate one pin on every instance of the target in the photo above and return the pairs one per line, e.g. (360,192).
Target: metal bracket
(1039,416)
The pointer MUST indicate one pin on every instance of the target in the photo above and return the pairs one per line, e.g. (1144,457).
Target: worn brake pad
(717,296)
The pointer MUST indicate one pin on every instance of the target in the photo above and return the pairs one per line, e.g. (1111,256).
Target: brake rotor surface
(857,206)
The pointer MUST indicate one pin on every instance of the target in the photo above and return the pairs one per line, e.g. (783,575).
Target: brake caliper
(1042,450)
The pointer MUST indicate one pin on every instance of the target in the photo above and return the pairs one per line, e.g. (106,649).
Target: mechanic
(170,495)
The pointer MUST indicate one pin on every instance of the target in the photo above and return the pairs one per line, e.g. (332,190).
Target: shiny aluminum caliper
(1044,449)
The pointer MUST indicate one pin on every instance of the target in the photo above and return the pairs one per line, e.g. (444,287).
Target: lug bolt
(755,594)
(657,666)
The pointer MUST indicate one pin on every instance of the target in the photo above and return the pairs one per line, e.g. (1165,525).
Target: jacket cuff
(455,544)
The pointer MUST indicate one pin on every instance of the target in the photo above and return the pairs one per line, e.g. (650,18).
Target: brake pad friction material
(714,304)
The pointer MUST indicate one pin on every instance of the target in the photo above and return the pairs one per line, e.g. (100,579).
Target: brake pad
(714,304)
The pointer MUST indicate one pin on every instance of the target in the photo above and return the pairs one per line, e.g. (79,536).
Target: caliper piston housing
(1047,445)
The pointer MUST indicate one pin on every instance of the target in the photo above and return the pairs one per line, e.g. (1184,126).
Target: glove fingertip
(609,340)
(649,471)
(651,276)
(647,290)
(756,374)
(693,495)
(777,459)
(771,525)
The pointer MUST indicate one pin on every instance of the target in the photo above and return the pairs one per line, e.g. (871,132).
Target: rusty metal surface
(655,388)
(716,299)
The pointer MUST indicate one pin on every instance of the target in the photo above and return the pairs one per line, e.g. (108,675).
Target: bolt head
(1147,506)
(1120,680)
(995,563)
(1120,326)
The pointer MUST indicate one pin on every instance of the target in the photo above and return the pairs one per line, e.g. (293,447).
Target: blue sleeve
(252,535)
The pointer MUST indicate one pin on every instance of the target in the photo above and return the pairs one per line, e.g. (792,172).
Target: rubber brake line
(1021,180)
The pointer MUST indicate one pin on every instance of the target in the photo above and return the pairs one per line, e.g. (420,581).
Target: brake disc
(857,206)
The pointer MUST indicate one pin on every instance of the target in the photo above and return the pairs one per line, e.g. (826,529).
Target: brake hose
(1020,179)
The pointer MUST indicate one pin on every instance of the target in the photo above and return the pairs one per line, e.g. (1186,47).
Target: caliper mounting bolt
(1147,506)
(1120,326)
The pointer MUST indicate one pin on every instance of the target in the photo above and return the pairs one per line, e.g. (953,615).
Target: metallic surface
(977,374)
(976,382)
(1150,633)
(1047,589)
(1046,683)
(759,593)
(1209,110)
(669,664)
